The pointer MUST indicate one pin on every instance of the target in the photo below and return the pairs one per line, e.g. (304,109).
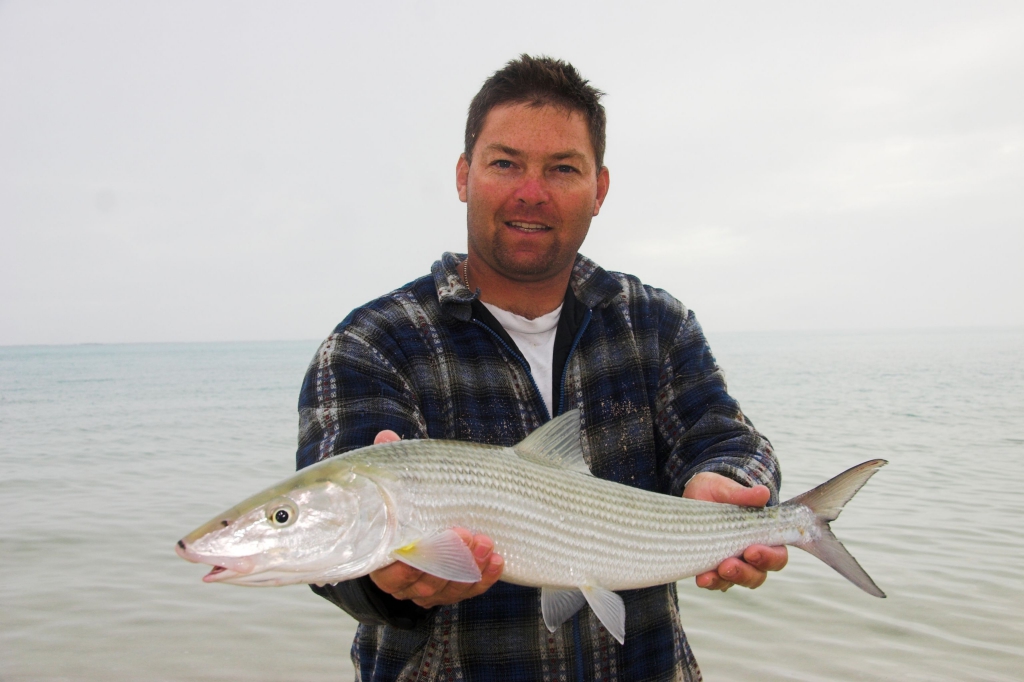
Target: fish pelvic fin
(827,501)
(559,604)
(556,444)
(609,609)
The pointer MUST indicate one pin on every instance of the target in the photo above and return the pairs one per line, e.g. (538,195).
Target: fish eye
(282,513)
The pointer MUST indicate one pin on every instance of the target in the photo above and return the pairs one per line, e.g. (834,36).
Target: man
(487,349)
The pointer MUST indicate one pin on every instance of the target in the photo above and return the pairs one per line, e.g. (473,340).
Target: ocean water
(110,453)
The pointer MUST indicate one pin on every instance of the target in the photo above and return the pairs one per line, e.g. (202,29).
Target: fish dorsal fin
(556,444)
(443,554)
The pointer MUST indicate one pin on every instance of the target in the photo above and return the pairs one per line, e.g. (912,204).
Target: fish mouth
(218,574)
(224,568)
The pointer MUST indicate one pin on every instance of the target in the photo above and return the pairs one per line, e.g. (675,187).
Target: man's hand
(751,570)
(402,581)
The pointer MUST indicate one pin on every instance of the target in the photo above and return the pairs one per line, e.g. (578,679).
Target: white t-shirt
(536,341)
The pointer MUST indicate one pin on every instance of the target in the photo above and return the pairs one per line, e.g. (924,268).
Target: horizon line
(819,330)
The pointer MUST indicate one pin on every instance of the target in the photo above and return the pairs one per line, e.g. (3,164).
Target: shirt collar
(591,284)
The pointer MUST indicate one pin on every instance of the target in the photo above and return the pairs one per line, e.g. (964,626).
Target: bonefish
(577,537)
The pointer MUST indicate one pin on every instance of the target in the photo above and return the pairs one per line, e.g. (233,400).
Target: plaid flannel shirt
(654,409)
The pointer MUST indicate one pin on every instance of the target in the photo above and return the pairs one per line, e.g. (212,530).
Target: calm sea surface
(109,454)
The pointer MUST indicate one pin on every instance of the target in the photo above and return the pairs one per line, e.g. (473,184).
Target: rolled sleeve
(365,602)
(350,393)
(702,425)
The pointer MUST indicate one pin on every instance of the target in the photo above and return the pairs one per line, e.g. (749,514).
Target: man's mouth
(527,227)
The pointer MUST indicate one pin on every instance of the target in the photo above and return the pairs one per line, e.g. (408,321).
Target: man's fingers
(491,572)
(713,487)
(387,436)
(482,547)
(757,496)
(766,558)
(427,586)
(712,581)
(395,577)
(739,572)
(750,572)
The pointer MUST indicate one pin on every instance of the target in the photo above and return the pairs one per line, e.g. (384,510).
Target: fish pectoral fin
(558,605)
(444,555)
(609,609)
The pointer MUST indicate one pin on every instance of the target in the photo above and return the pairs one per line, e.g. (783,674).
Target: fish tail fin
(827,501)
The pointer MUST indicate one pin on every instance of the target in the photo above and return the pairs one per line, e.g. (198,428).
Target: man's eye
(565,169)
(503,163)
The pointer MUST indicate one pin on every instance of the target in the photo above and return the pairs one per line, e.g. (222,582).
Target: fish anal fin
(556,444)
(558,605)
(444,555)
(609,609)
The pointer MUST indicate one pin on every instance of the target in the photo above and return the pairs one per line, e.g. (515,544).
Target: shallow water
(108,454)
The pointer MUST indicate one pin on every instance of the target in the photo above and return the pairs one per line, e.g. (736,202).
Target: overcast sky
(205,171)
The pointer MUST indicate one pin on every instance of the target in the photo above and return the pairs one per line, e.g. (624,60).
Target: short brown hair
(536,82)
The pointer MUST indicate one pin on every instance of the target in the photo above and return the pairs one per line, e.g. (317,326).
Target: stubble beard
(494,248)
(532,266)
(519,266)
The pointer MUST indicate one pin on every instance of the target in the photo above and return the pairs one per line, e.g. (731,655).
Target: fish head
(322,525)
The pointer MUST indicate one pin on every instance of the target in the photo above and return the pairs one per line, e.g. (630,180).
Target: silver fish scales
(577,537)
(558,528)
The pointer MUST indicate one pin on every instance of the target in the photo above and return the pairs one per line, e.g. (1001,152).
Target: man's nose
(532,189)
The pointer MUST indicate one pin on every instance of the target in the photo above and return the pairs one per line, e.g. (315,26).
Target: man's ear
(462,177)
(602,188)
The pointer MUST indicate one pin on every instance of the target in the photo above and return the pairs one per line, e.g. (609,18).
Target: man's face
(530,191)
